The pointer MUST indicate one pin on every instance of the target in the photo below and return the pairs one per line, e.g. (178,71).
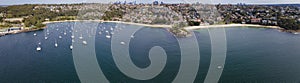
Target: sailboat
(39,48)
(71,47)
(108,36)
(84,42)
(46,37)
(219,67)
(132,36)
(56,45)
(65,33)
(122,43)
(111,28)
(80,36)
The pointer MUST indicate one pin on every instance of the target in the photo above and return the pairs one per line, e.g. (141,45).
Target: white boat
(84,42)
(65,33)
(72,36)
(56,45)
(71,47)
(220,67)
(46,38)
(59,37)
(108,36)
(296,33)
(123,43)
(100,33)
(81,37)
(132,36)
(106,31)
(34,34)
(38,49)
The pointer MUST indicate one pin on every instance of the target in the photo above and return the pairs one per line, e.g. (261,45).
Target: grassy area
(4,26)
(64,18)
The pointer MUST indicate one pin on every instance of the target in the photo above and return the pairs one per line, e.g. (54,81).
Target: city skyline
(18,2)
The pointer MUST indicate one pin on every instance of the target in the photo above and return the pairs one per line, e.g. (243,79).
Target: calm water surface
(254,55)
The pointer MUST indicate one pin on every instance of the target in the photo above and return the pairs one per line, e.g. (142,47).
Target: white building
(14,19)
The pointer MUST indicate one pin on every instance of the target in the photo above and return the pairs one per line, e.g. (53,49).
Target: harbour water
(254,55)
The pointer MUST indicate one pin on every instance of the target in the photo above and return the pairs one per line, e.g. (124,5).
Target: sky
(16,2)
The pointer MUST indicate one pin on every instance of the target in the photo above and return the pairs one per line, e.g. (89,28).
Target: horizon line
(142,3)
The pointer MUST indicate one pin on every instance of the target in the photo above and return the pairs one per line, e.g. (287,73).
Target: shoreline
(230,25)
(48,22)
(131,23)
(169,26)
(189,28)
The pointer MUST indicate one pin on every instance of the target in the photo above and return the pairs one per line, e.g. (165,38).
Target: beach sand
(230,25)
(169,26)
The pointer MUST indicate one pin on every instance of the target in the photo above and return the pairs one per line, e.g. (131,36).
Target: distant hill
(4,5)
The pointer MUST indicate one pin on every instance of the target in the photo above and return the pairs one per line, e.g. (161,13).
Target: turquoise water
(254,55)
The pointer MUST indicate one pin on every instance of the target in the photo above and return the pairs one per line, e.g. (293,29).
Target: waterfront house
(14,19)
(256,20)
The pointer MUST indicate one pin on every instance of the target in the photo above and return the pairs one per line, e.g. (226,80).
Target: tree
(1,19)
(288,23)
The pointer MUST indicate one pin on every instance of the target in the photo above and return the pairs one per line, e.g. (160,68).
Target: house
(256,20)
(14,19)
(264,21)
(2,14)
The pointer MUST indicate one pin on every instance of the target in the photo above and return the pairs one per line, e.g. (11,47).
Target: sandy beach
(169,26)
(230,25)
